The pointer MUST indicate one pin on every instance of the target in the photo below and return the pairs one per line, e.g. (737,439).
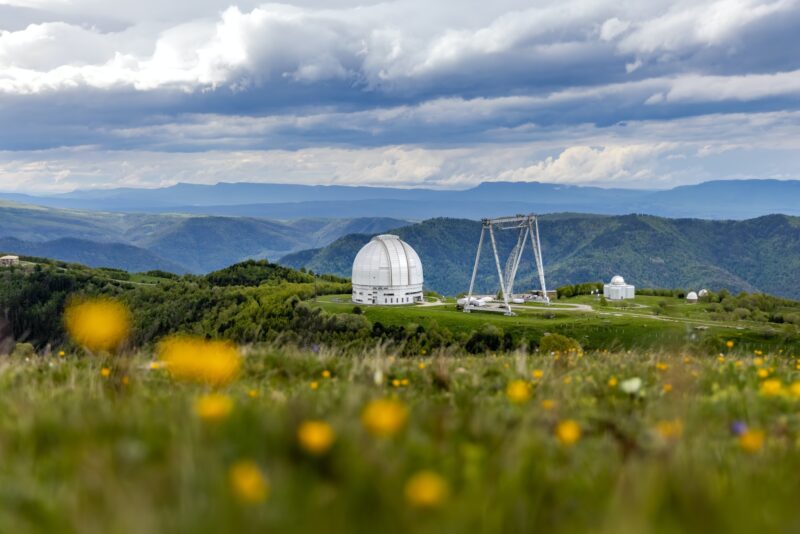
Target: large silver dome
(387,271)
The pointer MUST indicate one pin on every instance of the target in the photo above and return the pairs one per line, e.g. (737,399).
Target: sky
(443,93)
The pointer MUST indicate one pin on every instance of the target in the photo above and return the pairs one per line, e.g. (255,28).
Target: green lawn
(610,328)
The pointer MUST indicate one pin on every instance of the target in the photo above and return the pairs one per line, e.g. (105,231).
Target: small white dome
(618,281)
(702,293)
(691,296)
(387,261)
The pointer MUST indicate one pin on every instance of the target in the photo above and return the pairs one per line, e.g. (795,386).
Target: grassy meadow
(597,441)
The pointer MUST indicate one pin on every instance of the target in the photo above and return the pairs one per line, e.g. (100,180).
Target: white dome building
(387,271)
(691,297)
(617,289)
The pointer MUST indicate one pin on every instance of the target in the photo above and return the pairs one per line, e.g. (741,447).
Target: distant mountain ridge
(197,244)
(92,254)
(723,199)
(761,254)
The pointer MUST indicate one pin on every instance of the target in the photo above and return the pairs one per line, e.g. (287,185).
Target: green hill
(196,244)
(760,254)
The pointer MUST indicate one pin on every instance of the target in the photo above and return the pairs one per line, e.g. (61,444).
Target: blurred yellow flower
(518,391)
(105,372)
(771,387)
(567,380)
(662,366)
(794,389)
(126,380)
(194,359)
(314,385)
(548,404)
(100,325)
(537,374)
(669,430)
(426,489)
(315,437)
(568,432)
(762,373)
(612,382)
(253,393)
(61,354)
(384,417)
(396,383)
(213,407)
(421,365)
(751,441)
(326,374)
(666,388)
(758,362)
(721,358)
(248,482)
(729,344)
(155,366)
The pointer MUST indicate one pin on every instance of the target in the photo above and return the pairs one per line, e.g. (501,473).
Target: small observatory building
(617,289)
(386,272)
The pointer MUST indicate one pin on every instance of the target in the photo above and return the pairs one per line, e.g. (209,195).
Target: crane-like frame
(527,227)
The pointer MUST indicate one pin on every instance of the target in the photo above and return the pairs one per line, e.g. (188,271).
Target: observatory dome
(617,289)
(692,296)
(387,271)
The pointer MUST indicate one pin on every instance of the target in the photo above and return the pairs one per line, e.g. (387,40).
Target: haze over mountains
(179,243)
(730,199)
(755,255)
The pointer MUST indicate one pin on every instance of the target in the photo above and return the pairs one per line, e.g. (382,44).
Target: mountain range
(178,243)
(754,255)
(728,199)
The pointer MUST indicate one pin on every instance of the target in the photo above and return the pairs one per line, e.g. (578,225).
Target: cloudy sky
(442,93)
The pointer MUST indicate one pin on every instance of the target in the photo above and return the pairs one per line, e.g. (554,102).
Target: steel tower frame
(527,227)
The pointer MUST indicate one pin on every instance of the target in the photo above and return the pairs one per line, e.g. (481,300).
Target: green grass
(609,328)
(83,453)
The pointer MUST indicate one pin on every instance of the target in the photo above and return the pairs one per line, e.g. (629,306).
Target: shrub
(558,343)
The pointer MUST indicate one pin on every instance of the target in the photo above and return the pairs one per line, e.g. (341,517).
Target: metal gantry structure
(527,228)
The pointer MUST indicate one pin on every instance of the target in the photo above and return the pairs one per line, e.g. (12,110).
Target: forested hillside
(181,243)
(760,254)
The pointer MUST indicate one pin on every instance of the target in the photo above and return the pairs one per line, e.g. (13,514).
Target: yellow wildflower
(729,343)
(314,385)
(771,387)
(669,430)
(404,382)
(548,404)
(315,437)
(61,354)
(518,391)
(612,382)
(662,366)
(421,365)
(426,489)
(721,358)
(384,417)
(194,359)
(537,374)
(105,372)
(758,362)
(126,381)
(751,441)
(762,373)
(666,388)
(396,383)
(248,482)
(794,389)
(568,432)
(326,374)
(253,393)
(100,325)
(213,407)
